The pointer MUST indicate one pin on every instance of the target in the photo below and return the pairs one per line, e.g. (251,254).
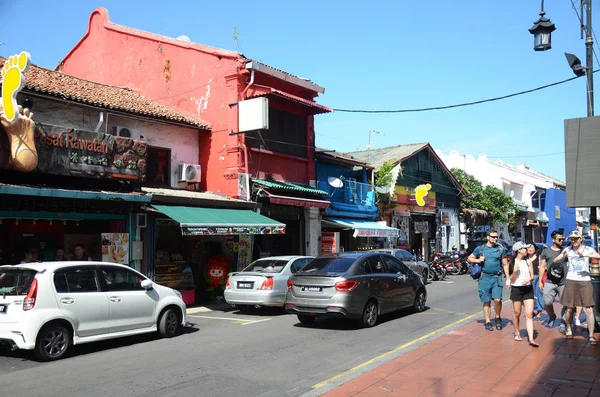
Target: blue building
(557,214)
(349,223)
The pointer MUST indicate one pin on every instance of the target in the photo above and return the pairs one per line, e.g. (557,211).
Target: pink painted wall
(197,80)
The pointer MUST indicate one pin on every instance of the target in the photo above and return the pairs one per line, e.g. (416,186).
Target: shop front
(348,234)
(195,248)
(77,203)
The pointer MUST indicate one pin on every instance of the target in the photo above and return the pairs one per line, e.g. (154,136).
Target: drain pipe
(243,138)
(250,84)
(100,122)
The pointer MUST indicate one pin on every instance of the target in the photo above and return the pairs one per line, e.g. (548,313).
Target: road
(228,353)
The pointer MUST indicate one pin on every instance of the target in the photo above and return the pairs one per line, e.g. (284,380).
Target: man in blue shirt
(492,257)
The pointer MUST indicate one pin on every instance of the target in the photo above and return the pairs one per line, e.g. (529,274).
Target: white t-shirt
(522,270)
(579,268)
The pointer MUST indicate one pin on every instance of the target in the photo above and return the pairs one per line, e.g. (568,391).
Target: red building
(208,83)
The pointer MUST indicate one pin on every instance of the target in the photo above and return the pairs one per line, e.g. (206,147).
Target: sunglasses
(493,236)
(560,239)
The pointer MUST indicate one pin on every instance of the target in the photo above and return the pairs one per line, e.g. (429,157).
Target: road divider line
(404,346)
(256,321)
(222,318)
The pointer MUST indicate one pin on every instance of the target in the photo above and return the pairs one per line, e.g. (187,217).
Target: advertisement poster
(244,251)
(330,242)
(115,248)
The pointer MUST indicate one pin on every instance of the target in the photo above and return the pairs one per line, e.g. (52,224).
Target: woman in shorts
(521,290)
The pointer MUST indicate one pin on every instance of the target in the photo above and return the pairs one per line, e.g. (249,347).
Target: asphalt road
(228,353)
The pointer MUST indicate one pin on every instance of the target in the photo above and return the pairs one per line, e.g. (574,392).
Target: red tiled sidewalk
(471,361)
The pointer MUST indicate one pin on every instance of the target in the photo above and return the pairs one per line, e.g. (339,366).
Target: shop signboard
(244,251)
(225,230)
(330,242)
(115,248)
(71,152)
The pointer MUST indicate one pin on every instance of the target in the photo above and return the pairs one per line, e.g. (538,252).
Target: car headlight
(178,293)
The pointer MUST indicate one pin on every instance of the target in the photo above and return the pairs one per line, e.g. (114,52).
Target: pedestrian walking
(553,284)
(578,288)
(538,296)
(520,282)
(492,258)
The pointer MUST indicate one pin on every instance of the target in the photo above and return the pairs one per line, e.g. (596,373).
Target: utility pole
(586,7)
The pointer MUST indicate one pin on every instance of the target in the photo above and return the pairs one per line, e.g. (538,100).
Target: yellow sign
(13,81)
(420,193)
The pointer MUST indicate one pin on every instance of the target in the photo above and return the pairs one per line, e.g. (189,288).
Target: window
(394,265)
(329,265)
(15,281)
(158,167)
(286,134)
(266,266)
(404,256)
(118,279)
(375,264)
(76,280)
(299,264)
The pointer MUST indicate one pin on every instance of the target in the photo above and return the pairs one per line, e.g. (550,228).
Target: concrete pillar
(312,229)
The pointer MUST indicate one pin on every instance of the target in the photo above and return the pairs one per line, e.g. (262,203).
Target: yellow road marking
(404,346)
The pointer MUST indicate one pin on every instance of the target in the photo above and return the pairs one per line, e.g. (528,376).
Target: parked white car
(47,307)
(263,282)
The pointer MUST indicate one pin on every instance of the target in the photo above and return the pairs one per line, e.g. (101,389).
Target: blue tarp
(366,228)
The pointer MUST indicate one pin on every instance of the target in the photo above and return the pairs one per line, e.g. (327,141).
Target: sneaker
(489,326)
(498,323)
(577,322)
(538,319)
(563,328)
(551,321)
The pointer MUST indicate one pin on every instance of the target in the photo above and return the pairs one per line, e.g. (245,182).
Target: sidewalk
(471,361)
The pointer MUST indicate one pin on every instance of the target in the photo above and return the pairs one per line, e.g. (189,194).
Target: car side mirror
(146,284)
(401,277)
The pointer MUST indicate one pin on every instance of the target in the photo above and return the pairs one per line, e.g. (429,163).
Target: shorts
(518,294)
(490,287)
(552,290)
(578,293)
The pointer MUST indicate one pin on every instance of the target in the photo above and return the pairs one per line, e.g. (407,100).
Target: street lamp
(542,32)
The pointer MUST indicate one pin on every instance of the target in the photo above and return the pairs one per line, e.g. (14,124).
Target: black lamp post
(542,32)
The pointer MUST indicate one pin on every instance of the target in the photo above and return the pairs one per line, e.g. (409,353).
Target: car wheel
(420,299)
(53,342)
(369,316)
(168,324)
(425,277)
(306,319)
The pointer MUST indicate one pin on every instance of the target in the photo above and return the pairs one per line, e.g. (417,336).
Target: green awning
(199,221)
(294,187)
(72,194)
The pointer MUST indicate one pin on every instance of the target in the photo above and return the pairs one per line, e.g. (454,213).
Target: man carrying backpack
(492,258)
(554,284)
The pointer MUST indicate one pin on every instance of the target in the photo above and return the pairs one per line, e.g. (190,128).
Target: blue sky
(371,55)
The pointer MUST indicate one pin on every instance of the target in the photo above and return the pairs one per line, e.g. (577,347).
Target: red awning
(315,107)
(297,201)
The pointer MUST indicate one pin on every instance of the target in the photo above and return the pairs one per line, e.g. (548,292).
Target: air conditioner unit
(125,132)
(191,173)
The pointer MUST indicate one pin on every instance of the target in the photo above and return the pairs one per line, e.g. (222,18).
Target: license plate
(3,308)
(312,289)
(245,285)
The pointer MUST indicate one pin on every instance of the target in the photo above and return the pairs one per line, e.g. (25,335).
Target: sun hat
(575,234)
(518,245)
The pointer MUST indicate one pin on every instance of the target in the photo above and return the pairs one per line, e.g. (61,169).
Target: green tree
(383,178)
(489,198)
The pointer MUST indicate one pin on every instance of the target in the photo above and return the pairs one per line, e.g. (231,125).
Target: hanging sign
(225,230)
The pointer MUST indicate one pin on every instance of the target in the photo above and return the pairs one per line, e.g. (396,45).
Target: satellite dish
(382,189)
(335,182)
(184,38)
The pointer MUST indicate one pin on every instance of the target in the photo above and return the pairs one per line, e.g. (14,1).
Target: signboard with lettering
(70,152)
(330,242)
(224,230)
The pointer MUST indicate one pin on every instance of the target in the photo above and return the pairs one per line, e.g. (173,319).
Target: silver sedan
(263,282)
(419,267)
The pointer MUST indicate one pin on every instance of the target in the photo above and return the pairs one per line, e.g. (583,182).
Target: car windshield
(329,265)
(15,281)
(266,266)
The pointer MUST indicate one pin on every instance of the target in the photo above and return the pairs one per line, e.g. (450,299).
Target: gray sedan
(356,285)
(263,282)
(409,260)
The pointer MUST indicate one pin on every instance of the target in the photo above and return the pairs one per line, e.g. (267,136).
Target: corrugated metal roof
(317,109)
(294,187)
(394,154)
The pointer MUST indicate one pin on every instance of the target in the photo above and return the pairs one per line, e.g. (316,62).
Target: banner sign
(70,152)
(225,230)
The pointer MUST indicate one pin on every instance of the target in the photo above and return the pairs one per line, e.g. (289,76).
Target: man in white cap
(578,288)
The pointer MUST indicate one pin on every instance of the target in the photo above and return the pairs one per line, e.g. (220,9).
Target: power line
(461,104)
(593,33)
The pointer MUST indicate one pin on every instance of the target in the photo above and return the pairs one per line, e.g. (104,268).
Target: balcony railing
(351,193)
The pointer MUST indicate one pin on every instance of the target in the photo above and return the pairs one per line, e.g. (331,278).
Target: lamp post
(542,32)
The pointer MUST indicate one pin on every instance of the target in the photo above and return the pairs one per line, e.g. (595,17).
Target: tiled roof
(104,96)
(295,187)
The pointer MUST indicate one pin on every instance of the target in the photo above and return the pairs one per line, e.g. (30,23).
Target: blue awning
(366,228)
